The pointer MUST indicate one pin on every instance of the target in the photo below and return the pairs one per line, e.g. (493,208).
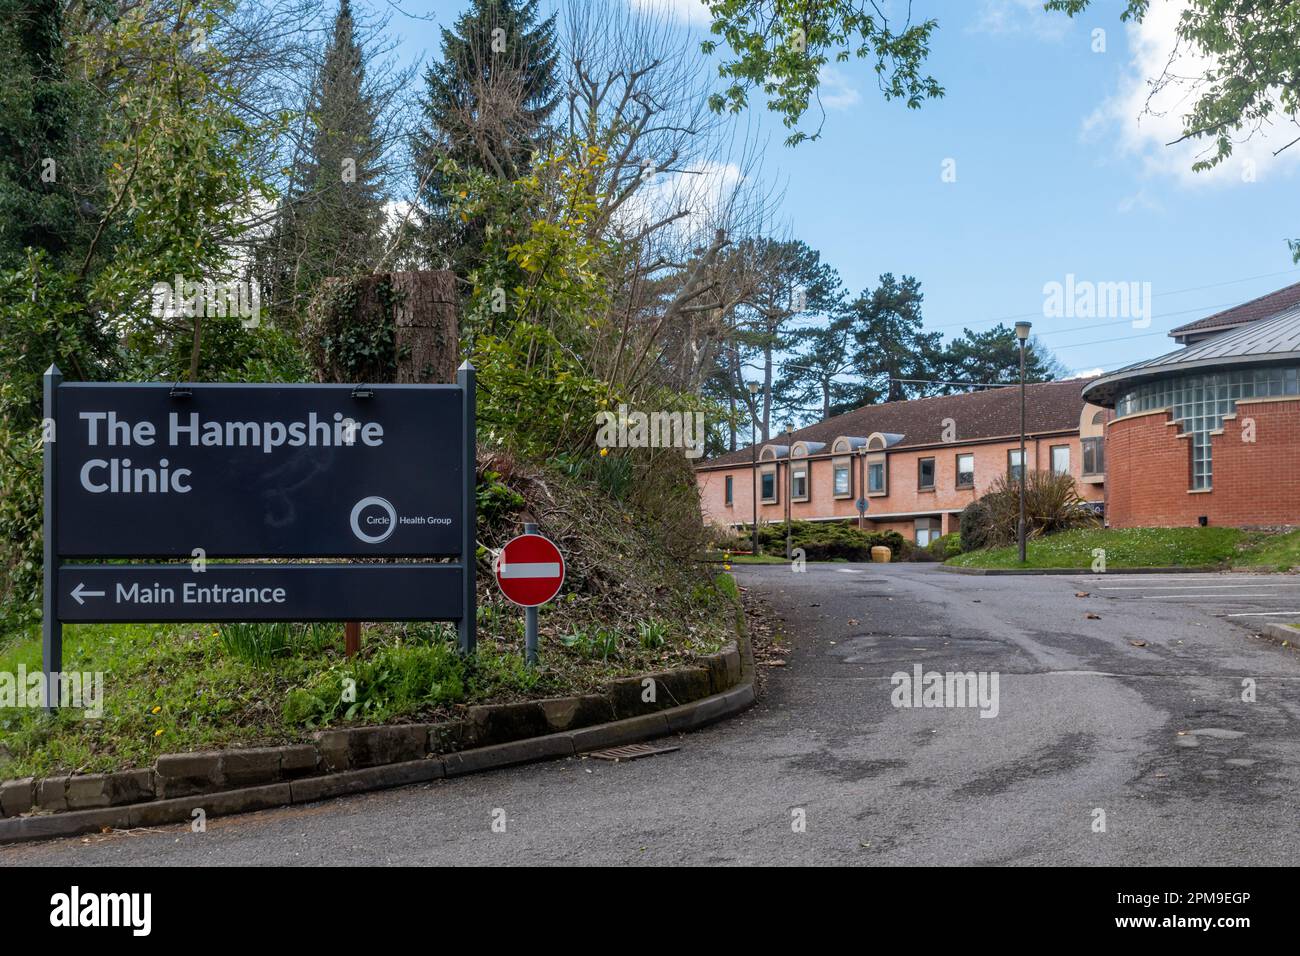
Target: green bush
(1052,503)
(827,540)
(975,526)
(941,549)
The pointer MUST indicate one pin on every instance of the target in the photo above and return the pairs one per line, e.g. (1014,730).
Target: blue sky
(1055,175)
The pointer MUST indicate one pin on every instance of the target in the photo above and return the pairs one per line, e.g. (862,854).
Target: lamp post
(753,447)
(789,481)
(1022,333)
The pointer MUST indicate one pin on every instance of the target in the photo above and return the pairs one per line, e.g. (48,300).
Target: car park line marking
(1189,597)
(1295,613)
(1203,587)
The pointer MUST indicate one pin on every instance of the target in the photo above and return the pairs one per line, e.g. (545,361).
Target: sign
(862,506)
(530,570)
(255,592)
(213,471)
(259,470)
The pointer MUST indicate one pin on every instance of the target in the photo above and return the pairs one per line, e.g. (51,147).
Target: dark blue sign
(259,471)
(215,471)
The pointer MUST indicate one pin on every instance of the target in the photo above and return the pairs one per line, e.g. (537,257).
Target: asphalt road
(1157,736)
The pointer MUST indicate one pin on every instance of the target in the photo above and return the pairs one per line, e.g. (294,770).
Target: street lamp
(789,481)
(1022,333)
(753,446)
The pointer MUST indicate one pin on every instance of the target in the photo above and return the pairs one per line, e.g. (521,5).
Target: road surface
(1136,713)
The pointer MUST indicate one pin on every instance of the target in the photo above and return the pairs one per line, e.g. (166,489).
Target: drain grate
(630,752)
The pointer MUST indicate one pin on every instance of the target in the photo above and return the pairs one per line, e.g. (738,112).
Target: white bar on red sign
(524,569)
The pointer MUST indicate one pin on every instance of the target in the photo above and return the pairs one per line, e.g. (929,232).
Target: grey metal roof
(1268,342)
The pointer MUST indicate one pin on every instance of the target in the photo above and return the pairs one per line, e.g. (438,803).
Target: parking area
(1242,598)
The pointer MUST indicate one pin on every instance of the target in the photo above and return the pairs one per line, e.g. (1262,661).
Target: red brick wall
(903,500)
(1148,470)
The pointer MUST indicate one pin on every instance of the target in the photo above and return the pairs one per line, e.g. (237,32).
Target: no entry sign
(530,570)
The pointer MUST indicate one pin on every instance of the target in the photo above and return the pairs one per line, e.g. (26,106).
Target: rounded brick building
(1209,434)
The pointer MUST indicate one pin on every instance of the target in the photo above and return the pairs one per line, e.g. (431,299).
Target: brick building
(1210,433)
(917,463)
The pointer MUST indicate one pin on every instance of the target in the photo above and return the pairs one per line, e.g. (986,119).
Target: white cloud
(693,12)
(835,90)
(1145,124)
(702,193)
(1085,373)
(1002,17)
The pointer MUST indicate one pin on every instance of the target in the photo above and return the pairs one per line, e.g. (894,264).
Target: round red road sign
(530,570)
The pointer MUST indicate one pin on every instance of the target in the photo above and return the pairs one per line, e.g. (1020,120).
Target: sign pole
(352,638)
(467,626)
(51,626)
(530,618)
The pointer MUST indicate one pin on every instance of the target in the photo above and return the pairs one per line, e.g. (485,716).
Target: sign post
(530,571)
(51,626)
(151,471)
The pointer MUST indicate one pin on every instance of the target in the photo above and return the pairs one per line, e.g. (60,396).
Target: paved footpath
(1156,736)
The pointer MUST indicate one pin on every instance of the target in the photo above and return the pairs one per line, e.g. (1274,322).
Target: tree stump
(428,343)
(392,327)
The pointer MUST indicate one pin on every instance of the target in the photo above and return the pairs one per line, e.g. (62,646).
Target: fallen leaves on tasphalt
(1080,593)
(1138,643)
(1093,617)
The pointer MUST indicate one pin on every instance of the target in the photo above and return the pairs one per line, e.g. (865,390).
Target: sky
(1037,165)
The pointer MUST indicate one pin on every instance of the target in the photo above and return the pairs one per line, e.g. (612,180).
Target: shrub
(828,540)
(975,525)
(941,549)
(1052,503)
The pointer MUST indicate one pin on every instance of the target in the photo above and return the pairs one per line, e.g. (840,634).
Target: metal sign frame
(245,591)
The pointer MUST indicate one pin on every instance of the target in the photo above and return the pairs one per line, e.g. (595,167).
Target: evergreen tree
(332,215)
(890,345)
(993,357)
(486,106)
(51,183)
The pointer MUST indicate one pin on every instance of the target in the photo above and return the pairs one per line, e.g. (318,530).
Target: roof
(1265,307)
(987,413)
(1266,342)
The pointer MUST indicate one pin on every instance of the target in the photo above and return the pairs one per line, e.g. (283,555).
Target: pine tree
(487,104)
(50,181)
(332,215)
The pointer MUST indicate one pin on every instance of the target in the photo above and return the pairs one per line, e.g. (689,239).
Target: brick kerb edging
(734,664)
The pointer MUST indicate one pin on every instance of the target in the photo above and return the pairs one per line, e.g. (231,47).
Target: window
(925,474)
(876,476)
(1094,456)
(1060,459)
(728,498)
(927,530)
(799,483)
(843,480)
(1198,403)
(768,480)
(1015,466)
(965,471)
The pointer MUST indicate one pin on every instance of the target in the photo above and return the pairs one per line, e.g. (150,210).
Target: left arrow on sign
(80,593)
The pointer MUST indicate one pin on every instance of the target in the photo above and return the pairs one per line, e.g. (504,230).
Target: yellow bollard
(880,554)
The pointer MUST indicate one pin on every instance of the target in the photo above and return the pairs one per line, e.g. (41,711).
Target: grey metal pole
(530,618)
(753,447)
(1024,468)
(51,627)
(467,626)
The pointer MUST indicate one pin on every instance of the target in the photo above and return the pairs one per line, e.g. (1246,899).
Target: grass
(1124,548)
(175,688)
(1147,548)
(1279,552)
